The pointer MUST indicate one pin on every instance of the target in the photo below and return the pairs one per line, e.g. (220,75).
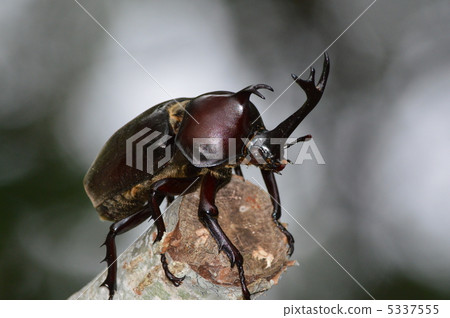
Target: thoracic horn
(244,94)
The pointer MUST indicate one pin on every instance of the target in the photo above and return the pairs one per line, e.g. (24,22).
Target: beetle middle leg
(160,189)
(170,198)
(238,171)
(208,214)
(272,188)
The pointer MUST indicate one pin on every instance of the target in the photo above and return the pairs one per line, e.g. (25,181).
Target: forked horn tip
(253,89)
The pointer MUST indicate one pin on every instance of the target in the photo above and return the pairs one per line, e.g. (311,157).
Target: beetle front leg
(272,188)
(208,213)
(118,228)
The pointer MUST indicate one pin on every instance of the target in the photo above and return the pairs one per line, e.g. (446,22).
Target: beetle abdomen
(136,198)
(124,204)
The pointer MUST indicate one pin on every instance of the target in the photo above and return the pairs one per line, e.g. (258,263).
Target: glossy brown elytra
(199,141)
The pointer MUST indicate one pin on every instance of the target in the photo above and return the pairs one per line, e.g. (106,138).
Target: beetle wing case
(110,175)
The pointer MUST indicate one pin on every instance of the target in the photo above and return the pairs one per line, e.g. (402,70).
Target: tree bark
(245,216)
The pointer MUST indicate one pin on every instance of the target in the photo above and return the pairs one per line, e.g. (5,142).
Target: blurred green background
(381,203)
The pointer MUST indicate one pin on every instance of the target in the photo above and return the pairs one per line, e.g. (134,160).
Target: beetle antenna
(300,139)
(244,94)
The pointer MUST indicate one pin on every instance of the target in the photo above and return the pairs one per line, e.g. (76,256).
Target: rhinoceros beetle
(128,196)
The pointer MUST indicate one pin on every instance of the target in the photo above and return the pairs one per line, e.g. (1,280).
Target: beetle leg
(118,228)
(238,171)
(155,201)
(160,189)
(165,188)
(271,184)
(176,281)
(208,213)
(170,198)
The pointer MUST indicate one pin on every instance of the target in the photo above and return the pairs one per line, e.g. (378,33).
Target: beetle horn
(301,139)
(244,94)
(313,94)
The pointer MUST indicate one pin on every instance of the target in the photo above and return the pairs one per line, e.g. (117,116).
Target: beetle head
(265,152)
(266,148)
(262,150)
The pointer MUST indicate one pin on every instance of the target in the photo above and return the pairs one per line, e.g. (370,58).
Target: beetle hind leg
(115,229)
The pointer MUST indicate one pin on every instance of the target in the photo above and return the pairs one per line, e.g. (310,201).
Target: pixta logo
(143,145)
(213,149)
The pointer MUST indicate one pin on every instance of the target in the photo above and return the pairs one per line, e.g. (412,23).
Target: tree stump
(244,215)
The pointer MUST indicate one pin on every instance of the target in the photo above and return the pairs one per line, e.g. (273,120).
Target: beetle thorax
(219,130)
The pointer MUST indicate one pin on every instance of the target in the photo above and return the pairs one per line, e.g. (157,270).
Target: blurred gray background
(381,203)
